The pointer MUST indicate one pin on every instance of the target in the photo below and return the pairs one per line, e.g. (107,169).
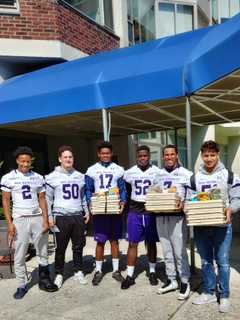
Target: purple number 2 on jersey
(26,192)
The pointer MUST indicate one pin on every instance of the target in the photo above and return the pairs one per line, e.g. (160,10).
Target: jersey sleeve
(127,177)
(234,194)
(49,194)
(41,185)
(6,184)
(89,187)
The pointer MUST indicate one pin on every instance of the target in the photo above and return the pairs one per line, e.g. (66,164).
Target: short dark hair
(63,149)
(210,145)
(170,146)
(143,148)
(104,144)
(22,150)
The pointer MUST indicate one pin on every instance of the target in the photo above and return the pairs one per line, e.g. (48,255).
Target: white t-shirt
(140,181)
(24,189)
(105,177)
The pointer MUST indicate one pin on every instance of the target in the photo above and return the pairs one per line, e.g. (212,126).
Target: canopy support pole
(105,125)
(189,161)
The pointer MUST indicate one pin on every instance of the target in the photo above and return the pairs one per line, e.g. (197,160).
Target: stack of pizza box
(162,201)
(105,203)
(205,213)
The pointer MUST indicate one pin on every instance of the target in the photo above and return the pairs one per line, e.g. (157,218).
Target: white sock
(130,270)
(152,267)
(115,264)
(99,265)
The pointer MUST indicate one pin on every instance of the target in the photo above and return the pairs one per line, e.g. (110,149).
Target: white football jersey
(105,178)
(24,189)
(140,181)
(178,178)
(64,190)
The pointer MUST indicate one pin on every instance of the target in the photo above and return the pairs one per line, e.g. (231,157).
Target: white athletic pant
(29,229)
(172,232)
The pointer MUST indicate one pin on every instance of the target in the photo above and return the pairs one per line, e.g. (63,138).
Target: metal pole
(105,124)
(189,161)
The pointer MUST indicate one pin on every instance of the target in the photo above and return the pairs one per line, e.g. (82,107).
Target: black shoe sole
(48,290)
(125,288)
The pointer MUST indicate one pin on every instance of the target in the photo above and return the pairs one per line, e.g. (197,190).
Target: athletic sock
(115,264)
(99,265)
(130,270)
(152,267)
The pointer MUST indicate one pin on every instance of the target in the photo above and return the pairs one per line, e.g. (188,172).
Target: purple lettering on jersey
(70,191)
(206,187)
(141,186)
(26,192)
(167,184)
(105,184)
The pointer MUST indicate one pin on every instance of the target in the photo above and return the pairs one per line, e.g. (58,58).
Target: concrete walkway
(108,301)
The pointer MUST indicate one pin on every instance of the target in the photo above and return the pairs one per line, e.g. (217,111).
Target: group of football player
(61,202)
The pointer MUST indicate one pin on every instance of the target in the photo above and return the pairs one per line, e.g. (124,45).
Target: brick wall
(48,20)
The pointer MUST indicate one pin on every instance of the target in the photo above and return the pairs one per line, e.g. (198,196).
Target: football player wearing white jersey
(29,219)
(172,228)
(68,210)
(214,242)
(140,225)
(101,177)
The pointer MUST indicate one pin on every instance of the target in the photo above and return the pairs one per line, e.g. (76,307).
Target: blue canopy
(167,68)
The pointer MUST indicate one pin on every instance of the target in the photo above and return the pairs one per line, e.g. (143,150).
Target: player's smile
(24,163)
(143,158)
(66,160)
(105,155)
(170,157)
(210,160)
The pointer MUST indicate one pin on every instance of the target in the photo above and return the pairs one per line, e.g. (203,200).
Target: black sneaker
(117,276)
(20,293)
(128,282)
(153,279)
(97,278)
(184,291)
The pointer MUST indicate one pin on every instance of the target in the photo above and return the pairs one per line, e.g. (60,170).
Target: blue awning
(159,70)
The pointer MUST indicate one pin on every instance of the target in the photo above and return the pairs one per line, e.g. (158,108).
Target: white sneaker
(225,305)
(205,298)
(171,285)
(79,276)
(58,281)
(184,291)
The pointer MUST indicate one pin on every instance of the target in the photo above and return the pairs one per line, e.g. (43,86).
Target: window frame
(175,5)
(10,9)
(102,14)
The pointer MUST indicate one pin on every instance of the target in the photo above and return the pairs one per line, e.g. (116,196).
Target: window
(97,10)
(174,18)
(224,9)
(9,6)
(141,21)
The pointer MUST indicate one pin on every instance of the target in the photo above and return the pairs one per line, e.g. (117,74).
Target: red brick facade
(49,20)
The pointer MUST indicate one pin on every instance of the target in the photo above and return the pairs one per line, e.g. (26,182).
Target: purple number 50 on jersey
(70,191)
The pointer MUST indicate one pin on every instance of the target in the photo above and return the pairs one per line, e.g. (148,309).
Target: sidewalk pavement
(107,301)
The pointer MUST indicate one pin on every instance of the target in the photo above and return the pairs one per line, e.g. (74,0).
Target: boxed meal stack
(205,210)
(106,202)
(158,200)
